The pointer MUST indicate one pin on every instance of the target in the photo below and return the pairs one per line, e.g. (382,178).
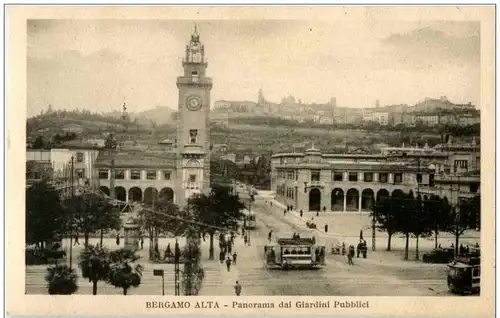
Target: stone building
(312,181)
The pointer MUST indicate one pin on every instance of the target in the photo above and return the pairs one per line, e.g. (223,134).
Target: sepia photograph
(264,156)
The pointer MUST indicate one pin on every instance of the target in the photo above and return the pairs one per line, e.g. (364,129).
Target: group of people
(226,250)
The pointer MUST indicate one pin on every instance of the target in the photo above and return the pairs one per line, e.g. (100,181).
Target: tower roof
(195,37)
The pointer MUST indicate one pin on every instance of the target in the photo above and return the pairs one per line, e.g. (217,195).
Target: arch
(426,197)
(192,163)
(337,199)
(120,193)
(150,194)
(382,193)
(135,194)
(352,197)
(105,190)
(167,194)
(410,194)
(398,193)
(367,199)
(314,200)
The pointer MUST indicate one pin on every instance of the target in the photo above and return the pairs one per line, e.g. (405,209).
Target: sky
(100,64)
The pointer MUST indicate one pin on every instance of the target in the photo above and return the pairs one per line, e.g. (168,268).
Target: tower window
(193,136)
(192,178)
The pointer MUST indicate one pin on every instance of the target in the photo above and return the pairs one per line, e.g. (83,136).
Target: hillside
(245,136)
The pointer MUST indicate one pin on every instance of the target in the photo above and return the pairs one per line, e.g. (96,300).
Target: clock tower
(193,125)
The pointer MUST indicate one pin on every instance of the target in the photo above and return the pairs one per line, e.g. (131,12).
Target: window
(192,178)
(79,157)
(193,136)
(431,180)
(120,174)
(383,177)
(473,187)
(80,173)
(338,176)
(151,174)
(296,175)
(353,176)
(135,174)
(103,173)
(368,176)
(167,175)
(461,164)
(315,175)
(398,178)
(419,178)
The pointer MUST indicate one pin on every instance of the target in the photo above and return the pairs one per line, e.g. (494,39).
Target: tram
(464,274)
(291,253)
(250,220)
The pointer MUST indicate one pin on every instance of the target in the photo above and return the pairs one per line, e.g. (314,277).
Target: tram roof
(292,241)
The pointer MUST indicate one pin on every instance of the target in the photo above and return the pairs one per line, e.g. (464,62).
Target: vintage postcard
(250,160)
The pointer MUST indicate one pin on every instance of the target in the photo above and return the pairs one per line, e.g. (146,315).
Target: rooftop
(135,159)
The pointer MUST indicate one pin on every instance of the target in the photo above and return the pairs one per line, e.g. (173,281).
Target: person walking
(118,239)
(76,240)
(235,256)
(142,243)
(284,212)
(245,239)
(221,256)
(350,255)
(237,288)
(228,264)
(229,248)
(326,228)
(269,235)
(301,213)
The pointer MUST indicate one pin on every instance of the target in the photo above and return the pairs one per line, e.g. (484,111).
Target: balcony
(205,81)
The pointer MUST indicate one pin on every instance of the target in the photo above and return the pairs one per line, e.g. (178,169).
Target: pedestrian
(234,258)
(284,212)
(221,256)
(477,245)
(229,249)
(118,239)
(301,213)
(269,235)
(350,256)
(245,239)
(142,243)
(326,228)
(76,240)
(228,264)
(237,288)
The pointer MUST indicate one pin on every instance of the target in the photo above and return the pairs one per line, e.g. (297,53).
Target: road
(366,278)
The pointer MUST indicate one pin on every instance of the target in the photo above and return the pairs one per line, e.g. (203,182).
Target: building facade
(178,173)
(312,181)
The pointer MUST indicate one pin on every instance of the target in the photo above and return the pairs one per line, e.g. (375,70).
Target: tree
(123,273)
(95,264)
(61,280)
(384,213)
(44,214)
(421,222)
(92,212)
(193,273)
(438,210)
(220,209)
(165,217)
(110,142)
(405,217)
(38,143)
(463,216)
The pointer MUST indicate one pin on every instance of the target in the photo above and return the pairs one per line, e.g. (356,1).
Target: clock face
(193,103)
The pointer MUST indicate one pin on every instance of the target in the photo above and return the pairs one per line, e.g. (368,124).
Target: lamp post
(71,216)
